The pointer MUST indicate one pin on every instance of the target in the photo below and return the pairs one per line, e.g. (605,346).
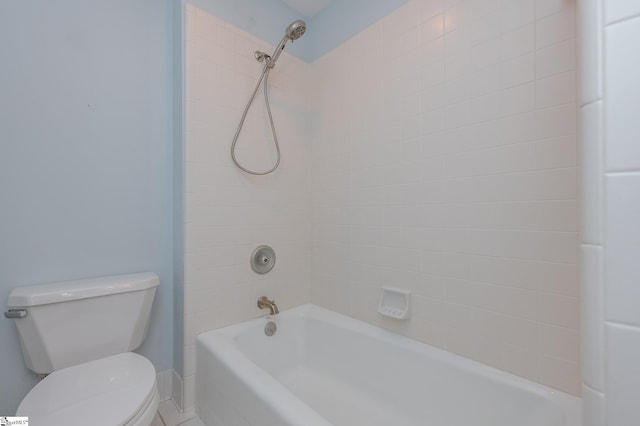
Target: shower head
(295,30)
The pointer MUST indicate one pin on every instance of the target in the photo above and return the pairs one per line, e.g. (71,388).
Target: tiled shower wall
(227,212)
(444,162)
(434,151)
(609,36)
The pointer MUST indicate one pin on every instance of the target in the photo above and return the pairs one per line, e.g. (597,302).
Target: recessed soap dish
(395,303)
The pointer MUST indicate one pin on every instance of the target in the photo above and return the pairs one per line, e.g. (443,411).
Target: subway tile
(560,374)
(485,26)
(591,163)
(593,407)
(558,310)
(556,121)
(559,342)
(518,99)
(485,108)
(556,152)
(517,13)
(557,216)
(622,236)
(556,58)
(556,90)
(549,7)
(518,42)
(592,324)
(615,10)
(622,372)
(590,51)
(556,28)
(433,28)
(457,17)
(485,54)
(484,81)
(621,71)
(520,70)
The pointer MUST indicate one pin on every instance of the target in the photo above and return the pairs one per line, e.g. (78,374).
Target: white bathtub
(323,368)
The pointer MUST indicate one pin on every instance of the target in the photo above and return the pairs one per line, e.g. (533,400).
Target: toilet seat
(117,390)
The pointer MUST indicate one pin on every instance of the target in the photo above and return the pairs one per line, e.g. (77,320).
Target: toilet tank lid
(64,291)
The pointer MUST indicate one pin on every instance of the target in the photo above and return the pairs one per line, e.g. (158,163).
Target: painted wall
(449,168)
(228,213)
(610,34)
(85,156)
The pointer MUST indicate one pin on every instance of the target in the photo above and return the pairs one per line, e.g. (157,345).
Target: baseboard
(164,380)
(170,386)
(176,390)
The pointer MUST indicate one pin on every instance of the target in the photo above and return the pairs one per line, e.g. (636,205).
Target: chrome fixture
(263,259)
(294,31)
(270,328)
(15,313)
(264,303)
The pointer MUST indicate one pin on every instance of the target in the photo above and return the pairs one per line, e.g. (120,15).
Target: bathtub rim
(222,342)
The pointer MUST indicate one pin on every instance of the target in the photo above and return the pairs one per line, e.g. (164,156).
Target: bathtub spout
(263,303)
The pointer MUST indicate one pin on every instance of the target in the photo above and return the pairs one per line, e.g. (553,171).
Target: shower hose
(265,76)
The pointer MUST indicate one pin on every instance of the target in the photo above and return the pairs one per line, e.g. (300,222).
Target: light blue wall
(267,19)
(343,19)
(85,155)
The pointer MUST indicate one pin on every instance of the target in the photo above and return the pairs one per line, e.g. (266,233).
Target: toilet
(80,334)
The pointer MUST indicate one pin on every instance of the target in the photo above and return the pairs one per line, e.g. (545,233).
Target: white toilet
(81,333)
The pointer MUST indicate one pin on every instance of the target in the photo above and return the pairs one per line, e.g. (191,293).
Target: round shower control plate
(263,259)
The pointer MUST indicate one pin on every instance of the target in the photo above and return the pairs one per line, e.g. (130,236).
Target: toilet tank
(72,322)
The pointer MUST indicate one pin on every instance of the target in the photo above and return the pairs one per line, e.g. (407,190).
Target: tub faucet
(263,303)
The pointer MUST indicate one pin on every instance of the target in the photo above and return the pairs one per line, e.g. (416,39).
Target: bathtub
(323,368)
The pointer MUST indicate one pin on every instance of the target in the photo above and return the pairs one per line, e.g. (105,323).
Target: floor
(168,415)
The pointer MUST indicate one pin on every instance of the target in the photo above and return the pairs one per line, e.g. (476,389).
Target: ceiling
(308,8)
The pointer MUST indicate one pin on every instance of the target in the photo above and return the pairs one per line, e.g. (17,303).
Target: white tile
(623,90)
(518,42)
(615,10)
(485,54)
(556,121)
(549,7)
(556,152)
(556,58)
(622,210)
(518,99)
(592,178)
(593,407)
(170,414)
(517,71)
(432,28)
(484,81)
(517,13)
(484,108)
(623,375)
(556,90)
(557,216)
(457,17)
(556,28)
(560,374)
(559,342)
(590,50)
(592,301)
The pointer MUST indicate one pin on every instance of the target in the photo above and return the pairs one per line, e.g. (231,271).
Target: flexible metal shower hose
(265,77)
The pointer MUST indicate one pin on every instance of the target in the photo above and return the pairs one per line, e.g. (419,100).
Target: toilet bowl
(80,334)
(116,390)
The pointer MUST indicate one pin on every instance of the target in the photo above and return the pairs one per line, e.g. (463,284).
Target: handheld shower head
(294,31)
